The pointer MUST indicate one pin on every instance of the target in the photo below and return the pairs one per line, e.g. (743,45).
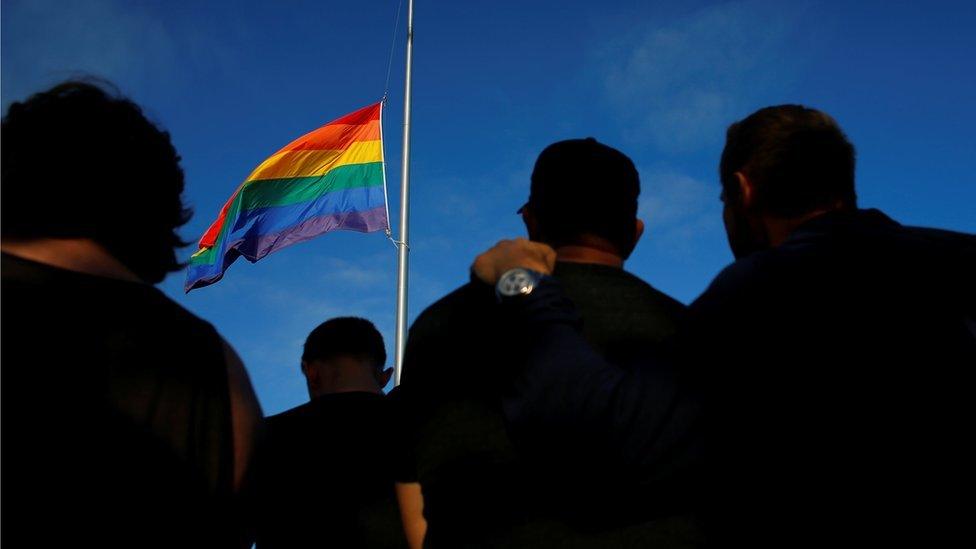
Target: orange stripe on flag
(334,137)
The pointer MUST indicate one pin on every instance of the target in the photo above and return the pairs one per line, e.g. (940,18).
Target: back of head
(79,161)
(344,354)
(346,336)
(798,158)
(583,187)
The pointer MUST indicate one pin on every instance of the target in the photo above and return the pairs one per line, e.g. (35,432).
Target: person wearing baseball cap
(583,201)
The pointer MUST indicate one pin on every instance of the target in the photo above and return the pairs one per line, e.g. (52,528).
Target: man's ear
(747,191)
(384,377)
(638,230)
(312,377)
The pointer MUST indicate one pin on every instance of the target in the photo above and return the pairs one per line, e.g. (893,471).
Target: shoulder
(651,293)
(948,242)
(739,282)
(186,332)
(178,312)
(620,312)
(290,414)
(445,332)
(447,310)
(588,282)
(284,423)
(738,274)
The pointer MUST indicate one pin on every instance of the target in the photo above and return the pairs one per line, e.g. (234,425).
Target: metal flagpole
(403,248)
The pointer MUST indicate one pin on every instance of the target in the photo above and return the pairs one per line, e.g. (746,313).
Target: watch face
(516,282)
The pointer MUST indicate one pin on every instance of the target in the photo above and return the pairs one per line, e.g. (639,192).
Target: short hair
(798,158)
(581,186)
(80,161)
(345,336)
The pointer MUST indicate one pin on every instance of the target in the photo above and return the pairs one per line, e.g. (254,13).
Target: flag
(332,178)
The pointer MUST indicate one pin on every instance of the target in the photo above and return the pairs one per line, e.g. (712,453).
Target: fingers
(484,264)
(549,256)
(509,254)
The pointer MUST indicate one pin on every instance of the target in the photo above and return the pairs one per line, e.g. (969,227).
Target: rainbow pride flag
(332,178)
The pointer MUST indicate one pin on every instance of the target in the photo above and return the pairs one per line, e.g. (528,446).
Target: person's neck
(351,385)
(779,230)
(587,254)
(81,255)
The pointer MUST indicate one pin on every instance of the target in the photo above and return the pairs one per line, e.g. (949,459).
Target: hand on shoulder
(510,254)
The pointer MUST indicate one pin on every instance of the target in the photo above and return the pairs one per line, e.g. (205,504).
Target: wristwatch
(517,282)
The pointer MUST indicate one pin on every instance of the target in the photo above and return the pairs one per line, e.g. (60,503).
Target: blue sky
(493,84)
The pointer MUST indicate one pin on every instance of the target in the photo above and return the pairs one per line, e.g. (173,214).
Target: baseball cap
(583,177)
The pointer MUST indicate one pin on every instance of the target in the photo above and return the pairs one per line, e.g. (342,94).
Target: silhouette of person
(127,421)
(463,480)
(326,478)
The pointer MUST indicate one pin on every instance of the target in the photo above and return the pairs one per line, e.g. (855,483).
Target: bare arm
(246,416)
(411,501)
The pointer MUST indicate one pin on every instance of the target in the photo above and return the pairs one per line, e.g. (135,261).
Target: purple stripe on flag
(365,221)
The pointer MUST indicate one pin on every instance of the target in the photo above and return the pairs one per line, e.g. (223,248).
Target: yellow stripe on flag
(312,163)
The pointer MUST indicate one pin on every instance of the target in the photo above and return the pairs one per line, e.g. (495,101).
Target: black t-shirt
(480,487)
(116,416)
(325,477)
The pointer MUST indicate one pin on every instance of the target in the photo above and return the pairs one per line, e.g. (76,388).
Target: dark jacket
(831,378)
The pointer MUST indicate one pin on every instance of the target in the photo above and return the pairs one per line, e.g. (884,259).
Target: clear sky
(494,83)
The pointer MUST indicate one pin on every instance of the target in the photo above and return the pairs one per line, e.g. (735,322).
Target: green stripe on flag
(281,192)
